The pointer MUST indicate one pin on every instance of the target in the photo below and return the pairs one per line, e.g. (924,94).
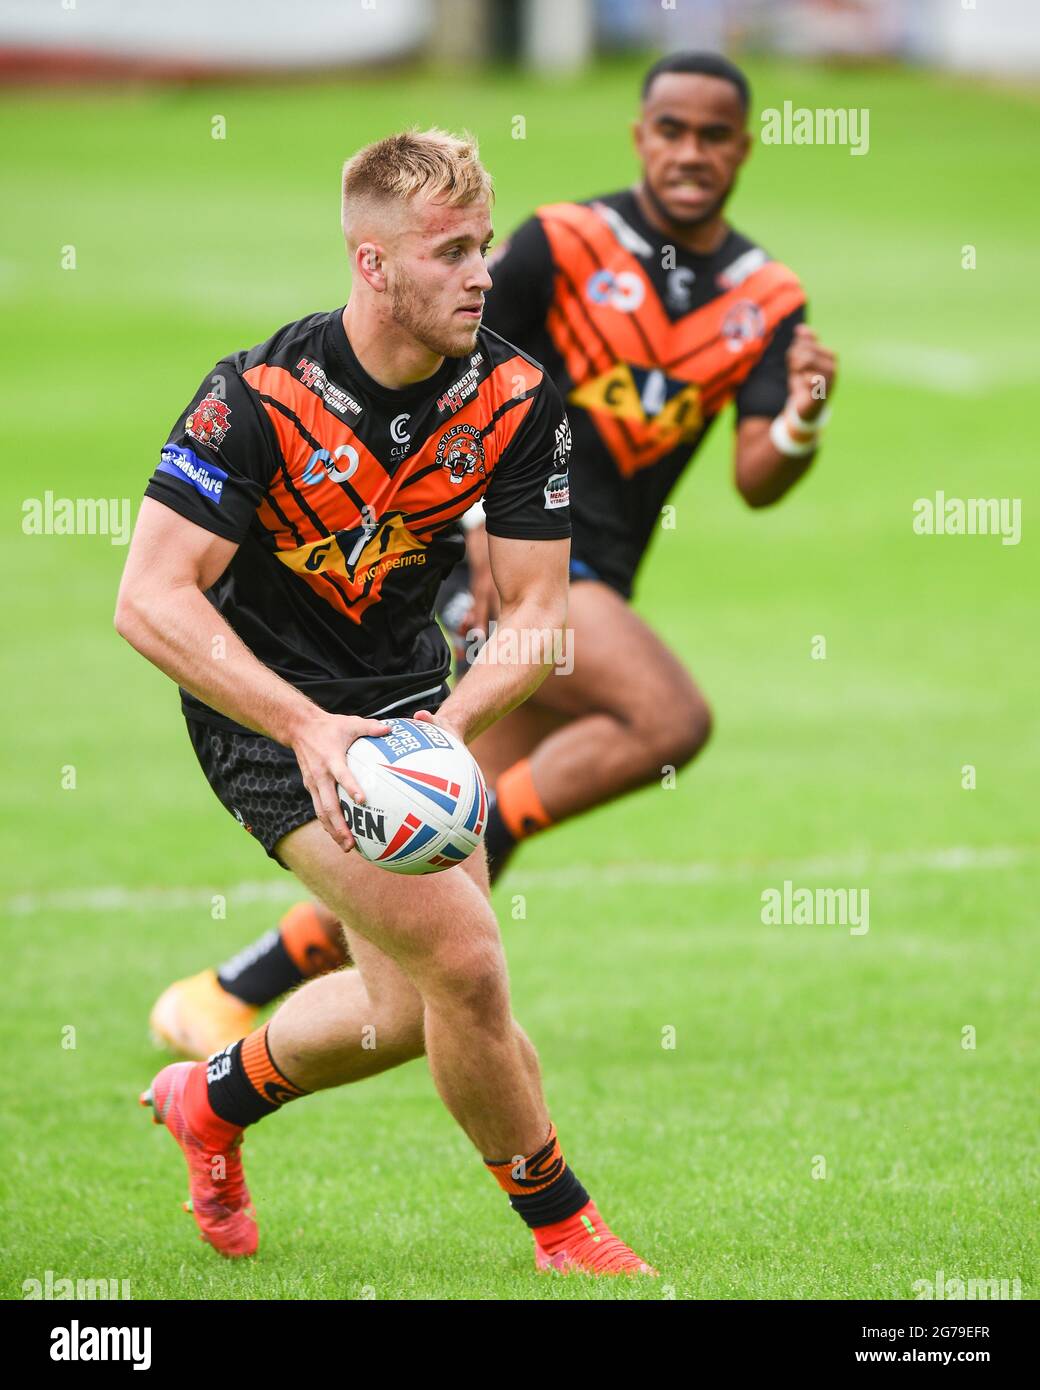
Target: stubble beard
(412,313)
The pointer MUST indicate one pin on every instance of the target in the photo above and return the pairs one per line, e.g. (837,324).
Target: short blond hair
(445,168)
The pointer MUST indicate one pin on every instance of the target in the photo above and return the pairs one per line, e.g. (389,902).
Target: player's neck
(388,353)
(704,239)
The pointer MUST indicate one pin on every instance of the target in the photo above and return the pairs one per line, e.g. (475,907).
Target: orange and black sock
(515,812)
(541,1188)
(282,958)
(244,1083)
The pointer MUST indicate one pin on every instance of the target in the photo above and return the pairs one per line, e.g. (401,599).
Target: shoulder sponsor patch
(186,465)
(557,492)
(210,421)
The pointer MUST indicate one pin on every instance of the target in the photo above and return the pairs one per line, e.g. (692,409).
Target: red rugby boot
(584,1244)
(212,1147)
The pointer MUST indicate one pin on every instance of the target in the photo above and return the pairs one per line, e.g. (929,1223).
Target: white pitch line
(956,859)
(117,898)
(951,860)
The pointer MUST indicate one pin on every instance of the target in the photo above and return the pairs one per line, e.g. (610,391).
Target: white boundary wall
(220,34)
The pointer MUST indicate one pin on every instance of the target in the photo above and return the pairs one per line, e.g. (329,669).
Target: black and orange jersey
(646,343)
(343,497)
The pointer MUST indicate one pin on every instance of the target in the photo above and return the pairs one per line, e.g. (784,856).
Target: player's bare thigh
(621,667)
(496,749)
(377,994)
(440,931)
(431,928)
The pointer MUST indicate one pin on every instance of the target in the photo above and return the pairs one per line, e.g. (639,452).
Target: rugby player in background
(651,313)
(284,571)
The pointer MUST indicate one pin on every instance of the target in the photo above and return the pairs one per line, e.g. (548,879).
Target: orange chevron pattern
(690,368)
(343,523)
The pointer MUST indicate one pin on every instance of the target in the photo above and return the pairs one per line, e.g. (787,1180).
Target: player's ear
(637,136)
(369,264)
(746,145)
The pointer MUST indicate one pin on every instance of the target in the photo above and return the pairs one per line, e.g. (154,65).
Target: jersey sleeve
(218,462)
(528,496)
(522,284)
(765,389)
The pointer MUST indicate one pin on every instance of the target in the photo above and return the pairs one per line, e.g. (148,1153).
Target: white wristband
(808,430)
(474,517)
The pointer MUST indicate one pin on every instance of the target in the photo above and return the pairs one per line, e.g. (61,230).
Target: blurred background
(198,37)
(170,178)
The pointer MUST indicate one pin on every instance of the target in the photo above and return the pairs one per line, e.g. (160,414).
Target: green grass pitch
(792,1044)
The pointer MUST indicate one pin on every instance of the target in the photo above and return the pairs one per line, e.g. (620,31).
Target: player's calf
(344,1027)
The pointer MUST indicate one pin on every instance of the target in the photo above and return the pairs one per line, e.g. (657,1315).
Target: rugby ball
(426,800)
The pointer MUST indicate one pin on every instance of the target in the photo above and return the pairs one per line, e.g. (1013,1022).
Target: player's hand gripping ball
(426,801)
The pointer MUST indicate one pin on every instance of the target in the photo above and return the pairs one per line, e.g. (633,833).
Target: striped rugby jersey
(647,343)
(344,498)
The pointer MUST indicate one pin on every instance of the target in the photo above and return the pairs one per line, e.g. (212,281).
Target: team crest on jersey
(210,421)
(745,323)
(461,452)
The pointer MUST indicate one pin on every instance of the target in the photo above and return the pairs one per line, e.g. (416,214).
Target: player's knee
(673,728)
(397,1019)
(474,982)
(690,728)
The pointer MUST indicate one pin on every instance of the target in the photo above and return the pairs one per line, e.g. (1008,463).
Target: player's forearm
(773,454)
(764,474)
(511,666)
(184,635)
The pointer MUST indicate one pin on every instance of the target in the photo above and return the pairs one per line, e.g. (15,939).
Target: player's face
(437,277)
(691,141)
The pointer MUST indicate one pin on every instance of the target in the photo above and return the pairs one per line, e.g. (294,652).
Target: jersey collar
(431,386)
(627,205)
